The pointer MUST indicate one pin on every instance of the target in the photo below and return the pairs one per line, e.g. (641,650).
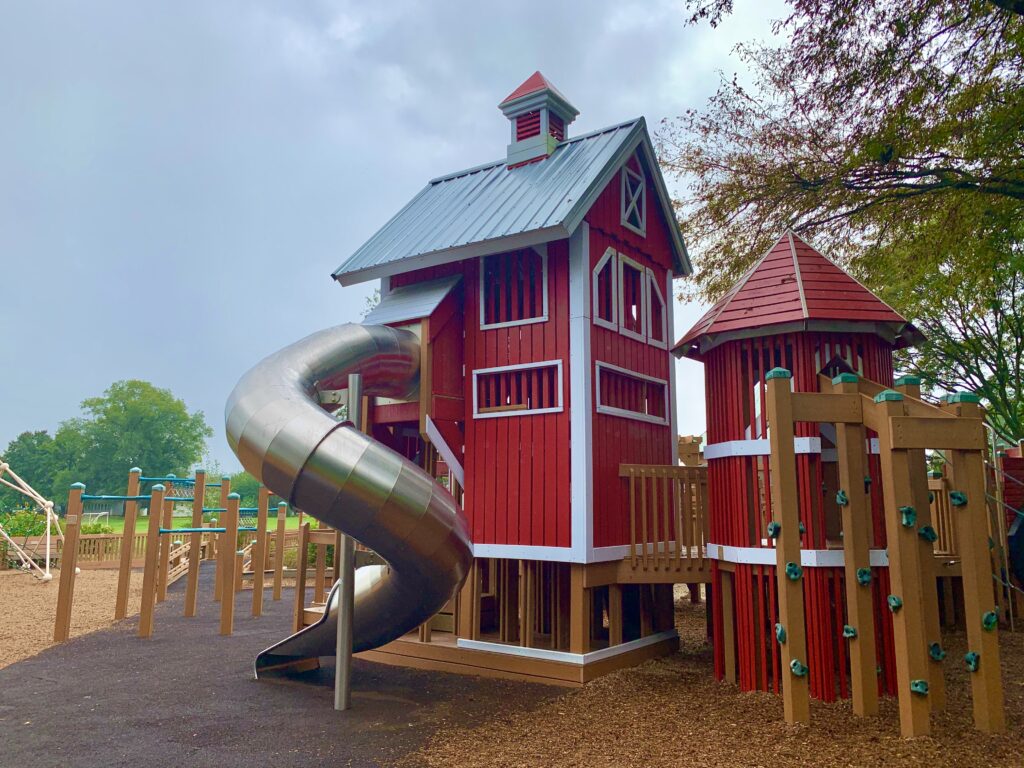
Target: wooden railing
(668,516)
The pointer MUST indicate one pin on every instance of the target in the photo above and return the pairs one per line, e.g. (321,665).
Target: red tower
(797,310)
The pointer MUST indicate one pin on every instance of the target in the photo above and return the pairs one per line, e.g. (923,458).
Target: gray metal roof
(492,208)
(411,302)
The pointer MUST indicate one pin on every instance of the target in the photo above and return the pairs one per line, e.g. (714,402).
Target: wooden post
(795,695)
(856,513)
(68,564)
(728,626)
(910,386)
(967,476)
(527,603)
(282,514)
(149,574)
(300,577)
(614,614)
(259,550)
(905,574)
(319,572)
(166,542)
(469,605)
(579,610)
(227,591)
(124,571)
(195,543)
(222,548)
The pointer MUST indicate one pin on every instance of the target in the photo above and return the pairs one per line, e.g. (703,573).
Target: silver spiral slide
(339,475)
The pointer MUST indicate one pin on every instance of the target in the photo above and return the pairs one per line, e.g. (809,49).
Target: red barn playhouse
(541,286)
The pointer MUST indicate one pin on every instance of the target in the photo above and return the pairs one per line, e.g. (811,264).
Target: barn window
(631,395)
(632,284)
(527,125)
(657,321)
(517,390)
(606,297)
(513,289)
(634,201)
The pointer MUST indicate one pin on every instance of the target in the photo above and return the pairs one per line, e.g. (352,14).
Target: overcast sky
(178,180)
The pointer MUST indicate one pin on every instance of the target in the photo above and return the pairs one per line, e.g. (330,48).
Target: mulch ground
(672,712)
(187,697)
(28,605)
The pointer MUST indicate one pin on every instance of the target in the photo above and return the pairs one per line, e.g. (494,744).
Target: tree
(132,424)
(878,128)
(32,456)
(246,486)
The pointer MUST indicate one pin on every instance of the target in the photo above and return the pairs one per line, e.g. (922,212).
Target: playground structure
(26,554)
(515,465)
(167,554)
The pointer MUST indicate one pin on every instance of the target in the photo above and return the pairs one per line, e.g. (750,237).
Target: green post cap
(908,381)
(964,397)
(200,472)
(282,504)
(159,487)
(234,495)
(135,471)
(78,485)
(846,378)
(935,474)
(225,477)
(171,474)
(888,396)
(778,373)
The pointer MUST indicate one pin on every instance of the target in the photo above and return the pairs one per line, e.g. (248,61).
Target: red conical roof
(794,286)
(532,84)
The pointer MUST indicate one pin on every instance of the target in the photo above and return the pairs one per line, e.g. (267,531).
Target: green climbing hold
(780,634)
(957,498)
(863,576)
(803,528)
(849,632)
(867,482)
(798,668)
(774,529)
(920,687)
(991,543)
(936,652)
(908,516)
(972,660)
(841,498)
(793,571)
(895,602)
(990,620)
(931,497)
(928,533)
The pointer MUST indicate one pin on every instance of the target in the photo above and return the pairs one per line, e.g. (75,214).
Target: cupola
(540,118)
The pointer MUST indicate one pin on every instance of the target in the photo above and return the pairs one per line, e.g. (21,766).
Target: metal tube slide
(279,432)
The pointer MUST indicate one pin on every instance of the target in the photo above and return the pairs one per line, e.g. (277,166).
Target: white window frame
(622,412)
(610,256)
(652,285)
(542,250)
(624,260)
(557,364)
(638,202)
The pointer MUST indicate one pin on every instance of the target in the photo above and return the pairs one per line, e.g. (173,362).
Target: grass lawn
(117,523)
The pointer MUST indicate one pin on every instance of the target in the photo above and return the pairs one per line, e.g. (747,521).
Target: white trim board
(529,552)
(581,421)
(446,452)
(577,659)
(758,447)
(627,414)
(819,558)
(556,364)
(542,251)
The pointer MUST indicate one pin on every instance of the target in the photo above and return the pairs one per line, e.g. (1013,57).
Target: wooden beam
(914,432)
(124,571)
(856,514)
(910,387)
(579,610)
(824,407)
(166,541)
(282,517)
(301,569)
(227,588)
(68,564)
(967,476)
(795,693)
(195,544)
(905,576)
(728,627)
(149,573)
(259,550)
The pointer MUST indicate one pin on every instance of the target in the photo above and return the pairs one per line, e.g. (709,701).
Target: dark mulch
(187,697)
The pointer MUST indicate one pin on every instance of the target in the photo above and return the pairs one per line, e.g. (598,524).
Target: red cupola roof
(795,288)
(534,83)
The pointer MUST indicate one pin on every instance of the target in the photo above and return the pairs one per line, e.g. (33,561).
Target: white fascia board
(581,455)
(758,447)
(811,558)
(446,451)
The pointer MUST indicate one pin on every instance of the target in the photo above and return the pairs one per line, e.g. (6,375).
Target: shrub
(23,523)
(96,528)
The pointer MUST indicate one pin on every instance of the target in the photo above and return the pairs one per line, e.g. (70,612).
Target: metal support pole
(344,563)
